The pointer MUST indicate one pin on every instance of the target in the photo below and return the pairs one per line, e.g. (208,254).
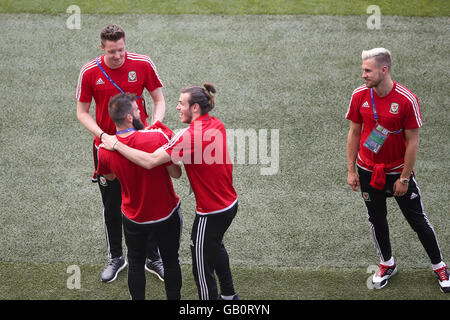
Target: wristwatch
(404,180)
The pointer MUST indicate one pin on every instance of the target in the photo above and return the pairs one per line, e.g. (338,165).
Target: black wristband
(101,135)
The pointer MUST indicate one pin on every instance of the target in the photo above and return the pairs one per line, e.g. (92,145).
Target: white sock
(227,297)
(388,263)
(438,266)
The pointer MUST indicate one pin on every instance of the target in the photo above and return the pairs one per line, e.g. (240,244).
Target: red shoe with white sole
(443,277)
(380,279)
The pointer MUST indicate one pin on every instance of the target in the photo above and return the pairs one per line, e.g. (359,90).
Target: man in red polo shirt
(202,147)
(383,141)
(117,70)
(150,205)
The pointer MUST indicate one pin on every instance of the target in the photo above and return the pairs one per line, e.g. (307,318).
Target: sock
(388,263)
(438,266)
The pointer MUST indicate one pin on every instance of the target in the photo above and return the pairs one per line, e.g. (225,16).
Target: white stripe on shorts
(204,295)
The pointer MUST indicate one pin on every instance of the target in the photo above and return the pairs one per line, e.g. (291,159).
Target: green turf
(271,73)
(291,73)
(231,7)
(49,282)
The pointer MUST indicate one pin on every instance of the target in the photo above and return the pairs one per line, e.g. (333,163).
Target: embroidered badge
(394,108)
(103,181)
(366,196)
(132,76)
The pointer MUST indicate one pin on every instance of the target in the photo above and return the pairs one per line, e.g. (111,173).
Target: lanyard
(109,78)
(125,131)
(375,115)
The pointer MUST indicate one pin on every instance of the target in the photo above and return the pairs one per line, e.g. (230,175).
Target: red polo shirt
(398,110)
(147,195)
(202,147)
(136,73)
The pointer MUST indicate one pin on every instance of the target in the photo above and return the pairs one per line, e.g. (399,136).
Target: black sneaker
(113,268)
(155,267)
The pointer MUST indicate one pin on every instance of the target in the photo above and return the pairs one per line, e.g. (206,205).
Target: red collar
(203,117)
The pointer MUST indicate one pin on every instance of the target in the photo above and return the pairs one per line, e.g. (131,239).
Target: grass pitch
(299,234)
(421,8)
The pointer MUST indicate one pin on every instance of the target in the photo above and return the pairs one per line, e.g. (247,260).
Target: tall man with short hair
(115,71)
(150,206)
(383,141)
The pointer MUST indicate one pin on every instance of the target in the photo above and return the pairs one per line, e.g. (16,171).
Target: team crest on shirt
(132,76)
(394,108)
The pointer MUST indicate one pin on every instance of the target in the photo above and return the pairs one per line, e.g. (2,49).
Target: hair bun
(209,87)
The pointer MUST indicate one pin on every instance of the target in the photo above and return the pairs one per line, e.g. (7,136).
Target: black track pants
(209,255)
(167,235)
(412,208)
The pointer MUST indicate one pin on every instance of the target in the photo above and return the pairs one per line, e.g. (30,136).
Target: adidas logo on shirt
(100,81)
(365,104)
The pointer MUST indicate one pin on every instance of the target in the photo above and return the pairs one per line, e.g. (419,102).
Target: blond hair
(381,55)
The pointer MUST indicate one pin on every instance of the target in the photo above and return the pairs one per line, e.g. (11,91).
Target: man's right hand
(353,181)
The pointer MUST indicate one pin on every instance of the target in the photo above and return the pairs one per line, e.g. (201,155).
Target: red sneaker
(443,277)
(380,279)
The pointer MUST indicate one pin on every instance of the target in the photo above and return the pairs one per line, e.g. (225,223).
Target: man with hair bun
(382,142)
(202,147)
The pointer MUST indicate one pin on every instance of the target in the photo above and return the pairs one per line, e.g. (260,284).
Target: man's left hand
(400,189)
(108,142)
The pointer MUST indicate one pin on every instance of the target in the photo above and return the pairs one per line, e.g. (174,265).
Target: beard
(137,124)
(373,82)
(187,117)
